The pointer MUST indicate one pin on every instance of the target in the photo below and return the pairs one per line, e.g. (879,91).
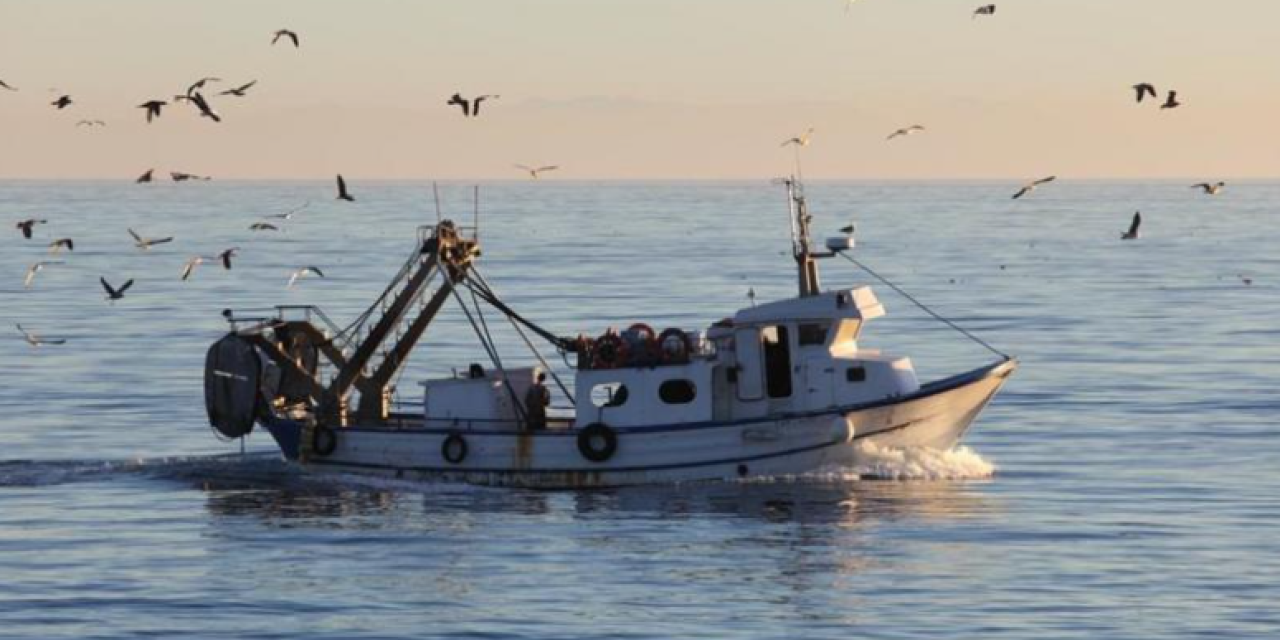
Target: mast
(801,243)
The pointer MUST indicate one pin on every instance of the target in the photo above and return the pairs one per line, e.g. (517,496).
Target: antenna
(435,188)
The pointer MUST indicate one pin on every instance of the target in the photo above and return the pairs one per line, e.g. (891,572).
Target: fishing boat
(781,388)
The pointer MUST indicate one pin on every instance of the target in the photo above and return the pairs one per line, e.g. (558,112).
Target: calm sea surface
(1126,484)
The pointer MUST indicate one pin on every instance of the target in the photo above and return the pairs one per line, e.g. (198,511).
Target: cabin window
(777,361)
(813,333)
(609,394)
(677,392)
(855,374)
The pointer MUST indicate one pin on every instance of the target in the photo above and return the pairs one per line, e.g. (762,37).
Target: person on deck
(536,401)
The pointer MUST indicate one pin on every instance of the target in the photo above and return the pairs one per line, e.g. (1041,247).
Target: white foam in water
(886,463)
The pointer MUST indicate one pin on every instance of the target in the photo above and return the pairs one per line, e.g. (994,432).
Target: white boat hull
(935,417)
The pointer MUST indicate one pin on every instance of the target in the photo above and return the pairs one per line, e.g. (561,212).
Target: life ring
(679,354)
(454,449)
(643,344)
(597,442)
(323,440)
(610,352)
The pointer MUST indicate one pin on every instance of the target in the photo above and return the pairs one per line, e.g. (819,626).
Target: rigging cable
(484,284)
(490,349)
(926,309)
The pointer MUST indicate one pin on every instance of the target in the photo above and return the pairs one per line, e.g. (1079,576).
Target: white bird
(37,268)
(534,171)
(1031,186)
(801,140)
(906,131)
(302,272)
(146,243)
(1210,189)
(190,267)
(288,215)
(35,340)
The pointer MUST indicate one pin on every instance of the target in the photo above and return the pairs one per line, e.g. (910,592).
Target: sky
(645,89)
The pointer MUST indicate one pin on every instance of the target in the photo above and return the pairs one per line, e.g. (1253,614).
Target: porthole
(855,374)
(677,392)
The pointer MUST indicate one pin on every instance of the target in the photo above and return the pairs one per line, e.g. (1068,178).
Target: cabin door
(750,372)
(819,383)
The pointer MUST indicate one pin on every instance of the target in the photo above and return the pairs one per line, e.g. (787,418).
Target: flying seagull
(475,104)
(153,108)
(263,226)
(62,102)
(285,33)
(35,340)
(60,243)
(1132,233)
(178,176)
(146,243)
(1144,89)
(1031,186)
(801,140)
(36,268)
(461,102)
(115,294)
(238,91)
(288,215)
(226,256)
(91,123)
(199,84)
(342,190)
(1171,102)
(534,171)
(985,10)
(26,226)
(293,277)
(190,266)
(203,105)
(6,86)
(906,131)
(146,177)
(849,229)
(1210,189)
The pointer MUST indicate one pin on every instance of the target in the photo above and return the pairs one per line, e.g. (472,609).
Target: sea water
(1125,484)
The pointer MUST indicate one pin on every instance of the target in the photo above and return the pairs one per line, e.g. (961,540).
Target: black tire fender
(597,442)
(454,449)
(323,440)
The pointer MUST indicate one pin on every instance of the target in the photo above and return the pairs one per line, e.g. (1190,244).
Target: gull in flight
(199,84)
(1132,233)
(1031,186)
(801,140)
(985,10)
(36,268)
(114,294)
(1210,189)
(226,256)
(288,215)
(906,131)
(26,226)
(62,102)
(293,277)
(849,229)
(146,243)
(263,226)
(206,111)
(36,341)
(1171,102)
(238,91)
(60,243)
(91,123)
(153,108)
(470,108)
(6,86)
(190,266)
(178,176)
(285,33)
(342,190)
(1144,89)
(534,171)
(146,177)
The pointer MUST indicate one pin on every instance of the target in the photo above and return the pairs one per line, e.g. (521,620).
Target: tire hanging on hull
(232,370)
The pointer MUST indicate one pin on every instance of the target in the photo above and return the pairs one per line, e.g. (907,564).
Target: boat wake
(221,469)
(961,463)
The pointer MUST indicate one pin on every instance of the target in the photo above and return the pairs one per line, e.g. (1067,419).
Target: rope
(927,310)
(492,351)
(514,325)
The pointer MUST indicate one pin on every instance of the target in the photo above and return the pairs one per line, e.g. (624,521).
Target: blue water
(1135,492)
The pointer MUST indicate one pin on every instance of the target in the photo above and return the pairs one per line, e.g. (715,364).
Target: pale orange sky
(645,88)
